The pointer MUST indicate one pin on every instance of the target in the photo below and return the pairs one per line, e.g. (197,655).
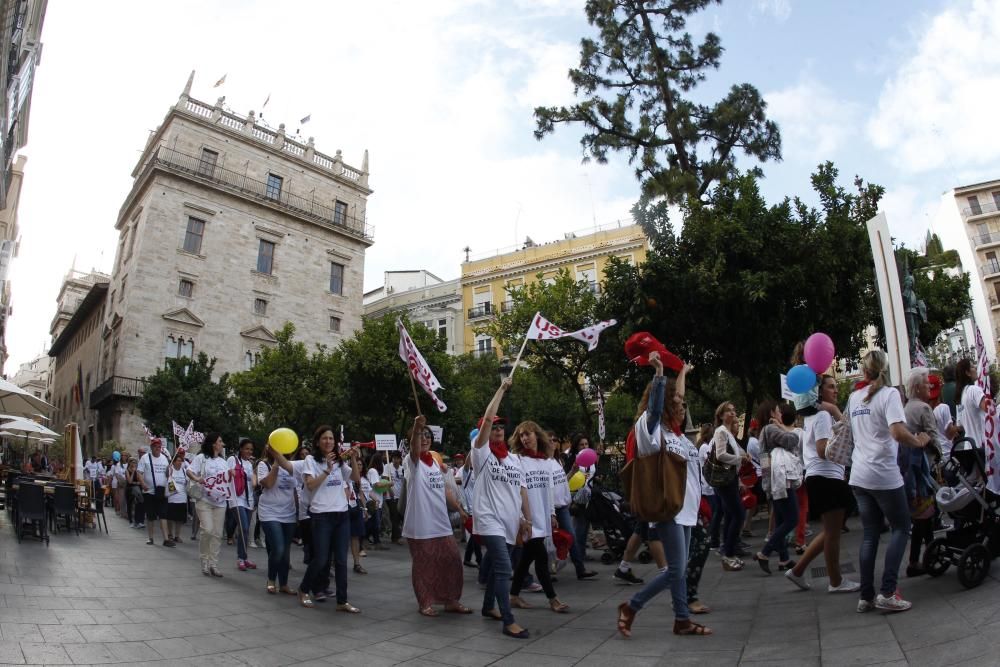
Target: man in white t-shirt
(153,479)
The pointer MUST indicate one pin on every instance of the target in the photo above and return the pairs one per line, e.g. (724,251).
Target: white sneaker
(253,545)
(865,605)
(891,603)
(798,581)
(846,586)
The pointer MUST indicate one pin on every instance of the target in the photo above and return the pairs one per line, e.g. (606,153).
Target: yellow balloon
(283,440)
(577,481)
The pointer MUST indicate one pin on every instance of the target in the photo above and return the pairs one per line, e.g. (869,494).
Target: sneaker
(253,545)
(149,542)
(250,564)
(204,568)
(141,525)
(865,605)
(241,566)
(169,543)
(846,586)
(626,577)
(797,580)
(586,574)
(533,588)
(891,603)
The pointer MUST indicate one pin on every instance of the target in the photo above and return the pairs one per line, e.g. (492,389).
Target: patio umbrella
(14,400)
(19,427)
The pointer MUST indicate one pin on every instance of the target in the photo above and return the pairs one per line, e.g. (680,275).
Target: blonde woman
(727,450)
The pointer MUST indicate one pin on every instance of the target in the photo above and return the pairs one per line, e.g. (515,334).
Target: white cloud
(779,9)
(814,122)
(940,107)
(910,213)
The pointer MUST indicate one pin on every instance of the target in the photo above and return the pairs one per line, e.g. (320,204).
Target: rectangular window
(274,183)
(339,213)
(974,207)
(185,288)
(206,165)
(996,200)
(265,257)
(334,324)
(442,328)
(193,236)
(121,295)
(336,278)
(260,307)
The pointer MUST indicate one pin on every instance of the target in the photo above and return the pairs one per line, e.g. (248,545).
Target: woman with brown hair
(727,450)
(659,427)
(531,443)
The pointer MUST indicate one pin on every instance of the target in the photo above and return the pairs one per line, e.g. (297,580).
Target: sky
(441,94)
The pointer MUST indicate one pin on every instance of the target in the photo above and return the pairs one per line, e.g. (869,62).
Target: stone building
(9,233)
(231,229)
(979,209)
(485,282)
(33,376)
(424,298)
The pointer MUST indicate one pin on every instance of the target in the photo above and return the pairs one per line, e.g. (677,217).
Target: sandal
(558,607)
(731,564)
(697,607)
(763,561)
(800,549)
(626,615)
(306,600)
(348,608)
(429,611)
(359,569)
(691,628)
(516,601)
(271,588)
(457,608)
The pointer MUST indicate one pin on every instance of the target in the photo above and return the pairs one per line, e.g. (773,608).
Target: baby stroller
(974,541)
(606,510)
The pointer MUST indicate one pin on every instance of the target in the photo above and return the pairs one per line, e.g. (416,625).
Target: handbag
(716,473)
(655,485)
(196,491)
(840,446)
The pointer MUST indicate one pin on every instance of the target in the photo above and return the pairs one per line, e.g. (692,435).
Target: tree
(183,390)
(635,79)
(742,282)
(287,386)
(939,281)
(572,305)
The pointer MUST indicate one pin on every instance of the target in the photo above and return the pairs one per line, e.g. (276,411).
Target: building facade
(231,229)
(423,298)
(486,282)
(9,233)
(979,210)
(33,376)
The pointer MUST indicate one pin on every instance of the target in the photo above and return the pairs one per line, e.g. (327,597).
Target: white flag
(990,431)
(542,329)
(600,413)
(418,367)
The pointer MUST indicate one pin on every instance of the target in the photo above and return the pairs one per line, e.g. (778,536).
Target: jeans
(581,525)
(729,497)
(278,537)
(242,515)
(534,551)
(212,519)
(498,577)
(472,549)
(786,517)
(675,539)
(575,552)
(331,538)
(873,506)
(395,518)
(717,514)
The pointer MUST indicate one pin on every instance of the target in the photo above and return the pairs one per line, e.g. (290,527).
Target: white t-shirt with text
(150,466)
(278,502)
(561,497)
(180,480)
(873,464)
(496,504)
(650,443)
(970,416)
(331,495)
(426,513)
(538,482)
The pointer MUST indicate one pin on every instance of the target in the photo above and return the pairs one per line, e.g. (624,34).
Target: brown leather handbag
(655,485)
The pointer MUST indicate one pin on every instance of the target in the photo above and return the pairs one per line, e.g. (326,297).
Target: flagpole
(517,361)
(413,386)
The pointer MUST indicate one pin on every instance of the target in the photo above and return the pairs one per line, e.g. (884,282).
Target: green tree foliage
(540,394)
(564,363)
(742,282)
(184,390)
(946,295)
(636,81)
(287,386)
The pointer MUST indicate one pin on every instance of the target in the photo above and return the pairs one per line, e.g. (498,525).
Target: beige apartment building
(423,298)
(979,208)
(231,229)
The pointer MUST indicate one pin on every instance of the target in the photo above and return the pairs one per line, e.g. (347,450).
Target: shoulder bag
(196,491)
(655,485)
(840,446)
(716,473)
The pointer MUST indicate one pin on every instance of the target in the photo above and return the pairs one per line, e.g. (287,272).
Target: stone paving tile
(45,654)
(866,654)
(11,653)
(132,652)
(61,634)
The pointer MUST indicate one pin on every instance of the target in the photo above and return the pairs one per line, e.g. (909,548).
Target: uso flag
(418,367)
(542,329)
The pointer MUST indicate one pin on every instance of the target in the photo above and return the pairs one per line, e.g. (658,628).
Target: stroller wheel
(974,565)
(936,559)
(607,558)
(645,557)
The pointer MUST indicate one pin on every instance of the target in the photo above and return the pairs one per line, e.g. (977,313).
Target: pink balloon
(586,458)
(819,352)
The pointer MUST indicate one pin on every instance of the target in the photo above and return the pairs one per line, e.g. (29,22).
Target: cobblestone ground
(99,599)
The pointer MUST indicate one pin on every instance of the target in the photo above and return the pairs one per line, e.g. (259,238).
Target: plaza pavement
(97,599)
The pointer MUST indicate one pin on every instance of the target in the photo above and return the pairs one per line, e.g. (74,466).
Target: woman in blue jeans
(326,475)
(780,434)
(878,423)
(727,450)
(500,511)
(277,513)
(660,426)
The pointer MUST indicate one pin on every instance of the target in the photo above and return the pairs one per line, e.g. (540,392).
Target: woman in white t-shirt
(244,481)
(277,513)
(971,403)
(532,445)
(828,492)
(659,426)
(327,475)
(501,512)
(436,570)
(210,472)
(177,498)
(376,498)
(727,450)
(878,424)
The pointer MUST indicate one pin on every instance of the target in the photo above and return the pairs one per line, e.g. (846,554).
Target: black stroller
(974,541)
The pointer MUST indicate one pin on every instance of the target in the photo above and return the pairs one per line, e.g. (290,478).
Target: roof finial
(187,86)
(364,163)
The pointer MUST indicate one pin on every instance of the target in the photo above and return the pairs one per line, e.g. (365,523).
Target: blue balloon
(801,379)
(116,456)
(473,434)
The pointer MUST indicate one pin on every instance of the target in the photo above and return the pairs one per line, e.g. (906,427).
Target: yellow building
(486,282)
